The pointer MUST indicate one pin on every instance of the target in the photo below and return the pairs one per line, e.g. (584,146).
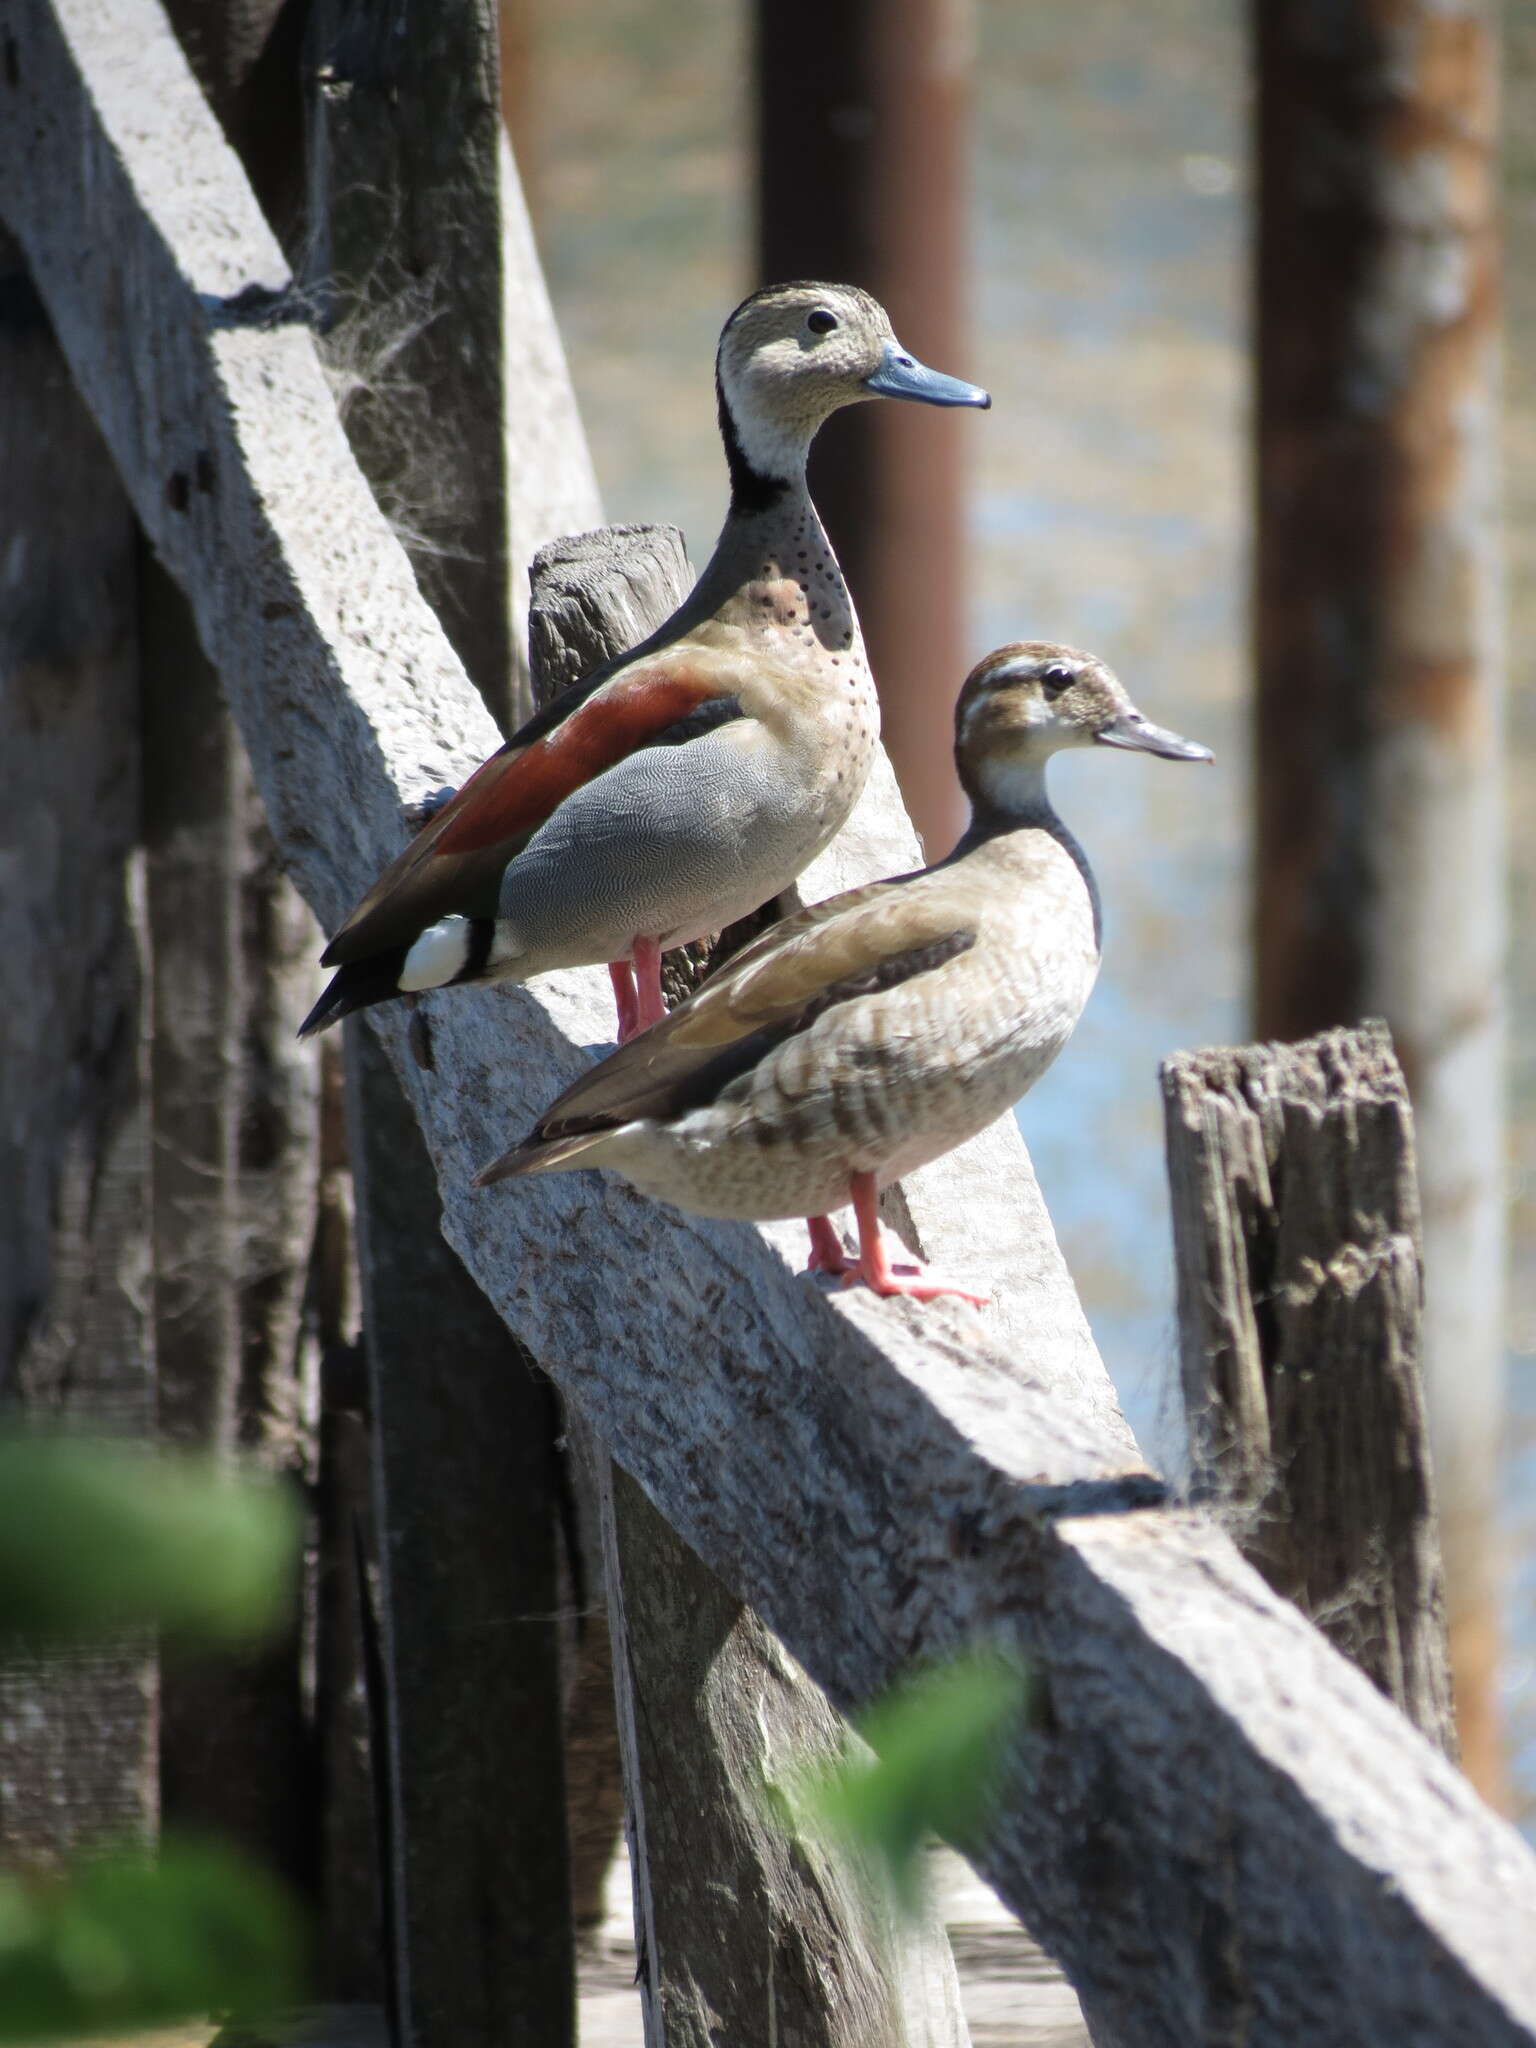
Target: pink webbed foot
(874,1265)
(622,975)
(827,1253)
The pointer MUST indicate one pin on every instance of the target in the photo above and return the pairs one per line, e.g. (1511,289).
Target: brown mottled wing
(853,945)
(455,863)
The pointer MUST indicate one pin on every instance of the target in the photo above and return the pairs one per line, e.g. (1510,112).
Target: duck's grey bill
(1132,730)
(902,376)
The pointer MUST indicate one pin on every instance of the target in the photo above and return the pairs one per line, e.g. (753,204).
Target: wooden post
(463,1441)
(1379,766)
(747,1934)
(405,219)
(412,208)
(78,1732)
(352,1929)
(708,1704)
(1296,1223)
(235,1098)
(861,175)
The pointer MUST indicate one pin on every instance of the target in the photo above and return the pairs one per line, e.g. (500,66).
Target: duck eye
(821,321)
(1054,680)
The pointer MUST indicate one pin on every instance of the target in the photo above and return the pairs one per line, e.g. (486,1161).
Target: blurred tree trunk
(76,1341)
(1380,840)
(861,176)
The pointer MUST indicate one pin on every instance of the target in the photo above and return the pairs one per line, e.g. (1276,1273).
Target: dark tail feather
(538,1155)
(356,986)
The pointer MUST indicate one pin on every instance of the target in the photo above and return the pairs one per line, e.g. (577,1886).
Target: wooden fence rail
(1224,1831)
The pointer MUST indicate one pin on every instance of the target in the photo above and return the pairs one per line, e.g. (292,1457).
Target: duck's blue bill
(1130,729)
(903,376)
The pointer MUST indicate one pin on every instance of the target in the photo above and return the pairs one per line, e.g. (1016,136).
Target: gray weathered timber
(1296,1223)
(234,1124)
(747,1933)
(746,1936)
(1226,1829)
(1378,656)
(462,1437)
(405,219)
(350,1916)
(416,217)
(77,1733)
(405,169)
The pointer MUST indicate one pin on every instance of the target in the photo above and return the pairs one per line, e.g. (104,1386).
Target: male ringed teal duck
(672,791)
(865,1036)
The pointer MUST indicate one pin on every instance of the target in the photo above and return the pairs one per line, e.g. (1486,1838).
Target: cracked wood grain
(1296,1222)
(1225,1831)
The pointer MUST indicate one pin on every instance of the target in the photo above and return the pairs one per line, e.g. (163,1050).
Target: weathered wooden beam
(77,1731)
(1296,1228)
(415,217)
(406,167)
(1224,1826)
(406,250)
(235,1120)
(748,1933)
(1377,637)
(462,1436)
(742,1931)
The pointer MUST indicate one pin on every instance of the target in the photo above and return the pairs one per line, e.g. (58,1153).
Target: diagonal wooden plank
(1223,1831)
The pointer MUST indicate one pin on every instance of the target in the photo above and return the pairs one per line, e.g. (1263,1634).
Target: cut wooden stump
(1296,1225)
(1225,1829)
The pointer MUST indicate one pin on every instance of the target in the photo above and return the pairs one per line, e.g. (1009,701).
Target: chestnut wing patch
(528,786)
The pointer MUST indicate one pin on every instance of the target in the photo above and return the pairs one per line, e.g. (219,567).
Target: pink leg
(647,956)
(874,1266)
(827,1254)
(622,975)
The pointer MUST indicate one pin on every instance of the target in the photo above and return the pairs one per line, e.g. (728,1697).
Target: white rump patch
(438,955)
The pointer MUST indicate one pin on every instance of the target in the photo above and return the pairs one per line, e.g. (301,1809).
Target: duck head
(1032,699)
(791,355)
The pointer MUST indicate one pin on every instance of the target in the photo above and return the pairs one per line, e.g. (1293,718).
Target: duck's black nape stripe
(481,932)
(751,491)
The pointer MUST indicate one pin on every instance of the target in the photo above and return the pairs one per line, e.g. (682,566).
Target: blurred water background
(1109,508)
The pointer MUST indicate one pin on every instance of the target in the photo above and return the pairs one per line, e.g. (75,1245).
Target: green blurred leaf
(124,1942)
(95,1538)
(939,1741)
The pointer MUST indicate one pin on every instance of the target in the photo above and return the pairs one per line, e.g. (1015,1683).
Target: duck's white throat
(771,445)
(1013,783)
